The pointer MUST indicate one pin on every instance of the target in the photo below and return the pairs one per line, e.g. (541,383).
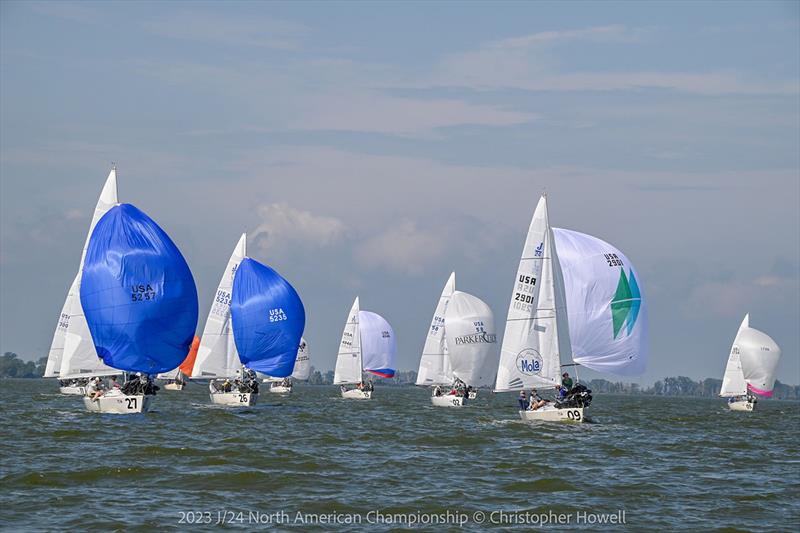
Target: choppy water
(668,463)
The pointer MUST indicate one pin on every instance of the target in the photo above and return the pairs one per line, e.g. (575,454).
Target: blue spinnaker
(268,319)
(137,293)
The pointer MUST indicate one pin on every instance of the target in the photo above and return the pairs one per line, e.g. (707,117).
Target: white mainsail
(434,366)
(72,338)
(471,338)
(302,365)
(607,310)
(217,356)
(537,330)
(348,361)
(733,383)
(759,356)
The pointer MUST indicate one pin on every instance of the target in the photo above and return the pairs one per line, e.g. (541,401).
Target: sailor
(95,389)
(566,380)
(523,400)
(536,400)
(226,385)
(114,384)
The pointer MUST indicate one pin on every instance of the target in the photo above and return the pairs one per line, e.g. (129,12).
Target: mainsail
(733,383)
(537,331)
(434,366)
(268,319)
(217,356)
(137,293)
(607,310)
(302,365)
(378,345)
(348,361)
(72,353)
(471,338)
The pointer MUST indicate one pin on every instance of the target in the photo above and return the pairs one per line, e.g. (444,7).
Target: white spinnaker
(217,356)
(733,383)
(471,339)
(759,355)
(607,308)
(537,330)
(378,344)
(434,365)
(79,357)
(348,361)
(302,365)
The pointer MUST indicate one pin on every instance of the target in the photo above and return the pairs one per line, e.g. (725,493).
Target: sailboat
(140,304)
(751,368)
(367,345)
(574,296)
(254,324)
(176,378)
(458,348)
(72,357)
(302,369)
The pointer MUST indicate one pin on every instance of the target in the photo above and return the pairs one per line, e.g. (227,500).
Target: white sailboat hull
(234,399)
(550,413)
(174,386)
(79,391)
(355,394)
(119,404)
(448,400)
(742,405)
(280,389)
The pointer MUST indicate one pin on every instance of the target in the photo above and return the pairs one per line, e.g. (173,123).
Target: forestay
(217,356)
(537,331)
(378,345)
(434,365)
(733,383)
(348,361)
(72,352)
(471,338)
(268,319)
(137,293)
(606,307)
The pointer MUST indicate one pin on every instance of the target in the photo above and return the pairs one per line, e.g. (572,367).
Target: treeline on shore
(11,366)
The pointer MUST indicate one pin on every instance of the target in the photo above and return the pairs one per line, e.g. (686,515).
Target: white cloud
(283,226)
(401,248)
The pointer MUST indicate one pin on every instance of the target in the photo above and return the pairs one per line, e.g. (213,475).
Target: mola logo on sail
(529,362)
(625,304)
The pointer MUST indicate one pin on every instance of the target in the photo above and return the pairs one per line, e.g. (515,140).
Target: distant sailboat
(254,325)
(751,368)
(176,378)
(72,357)
(140,304)
(302,370)
(368,345)
(458,348)
(577,296)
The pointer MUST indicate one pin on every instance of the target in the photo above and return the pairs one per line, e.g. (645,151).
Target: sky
(372,148)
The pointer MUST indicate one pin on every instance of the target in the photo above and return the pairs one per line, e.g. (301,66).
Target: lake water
(312,461)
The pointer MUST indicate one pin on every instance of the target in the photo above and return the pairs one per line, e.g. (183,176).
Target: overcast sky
(371,148)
